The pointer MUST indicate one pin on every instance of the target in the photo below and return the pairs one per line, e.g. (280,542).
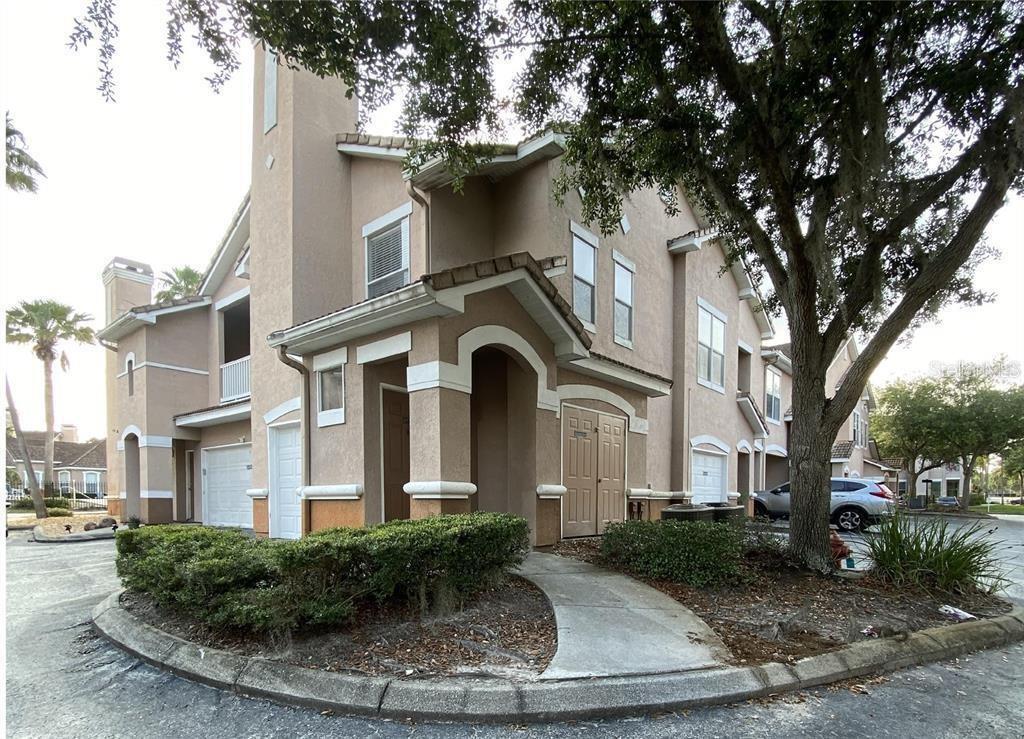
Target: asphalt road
(64,681)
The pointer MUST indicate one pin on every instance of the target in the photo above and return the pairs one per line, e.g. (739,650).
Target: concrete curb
(498,700)
(96,535)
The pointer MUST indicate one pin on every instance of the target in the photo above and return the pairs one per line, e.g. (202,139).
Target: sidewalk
(611,624)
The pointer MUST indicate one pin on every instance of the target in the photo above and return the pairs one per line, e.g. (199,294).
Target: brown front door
(611,470)
(593,464)
(395,442)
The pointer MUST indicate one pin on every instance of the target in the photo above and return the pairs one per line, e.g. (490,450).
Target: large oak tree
(853,153)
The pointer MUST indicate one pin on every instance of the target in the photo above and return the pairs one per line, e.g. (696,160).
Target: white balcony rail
(234,380)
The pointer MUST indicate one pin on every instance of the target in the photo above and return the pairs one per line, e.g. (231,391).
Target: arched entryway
(503,410)
(132,477)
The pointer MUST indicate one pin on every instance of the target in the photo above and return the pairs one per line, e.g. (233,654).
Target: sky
(157,175)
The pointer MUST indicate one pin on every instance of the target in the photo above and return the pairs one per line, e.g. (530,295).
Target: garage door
(708,477)
(227,474)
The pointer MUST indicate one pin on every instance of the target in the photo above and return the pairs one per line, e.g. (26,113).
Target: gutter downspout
(417,195)
(304,437)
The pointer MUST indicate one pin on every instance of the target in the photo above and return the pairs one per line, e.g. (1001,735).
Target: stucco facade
(519,360)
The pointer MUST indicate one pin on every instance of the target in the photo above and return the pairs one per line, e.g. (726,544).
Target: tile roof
(842,449)
(92,453)
(895,462)
(474,271)
(644,372)
(168,304)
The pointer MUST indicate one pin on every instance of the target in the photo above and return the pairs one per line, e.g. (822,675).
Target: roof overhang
(225,260)
(757,425)
(547,145)
(134,319)
(420,301)
(692,241)
(880,465)
(778,359)
(592,366)
(215,416)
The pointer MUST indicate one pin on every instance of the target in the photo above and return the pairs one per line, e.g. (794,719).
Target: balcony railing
(234,380)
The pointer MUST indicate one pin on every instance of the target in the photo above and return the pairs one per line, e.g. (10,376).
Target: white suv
(856,503)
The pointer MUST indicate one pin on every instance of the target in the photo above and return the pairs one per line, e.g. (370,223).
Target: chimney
(127,283)
(68,432)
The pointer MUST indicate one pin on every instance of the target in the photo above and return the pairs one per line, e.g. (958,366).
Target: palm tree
(22,169)
(44,324)
(180,282)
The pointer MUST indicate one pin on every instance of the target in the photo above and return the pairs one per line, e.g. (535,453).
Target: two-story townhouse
(411,350)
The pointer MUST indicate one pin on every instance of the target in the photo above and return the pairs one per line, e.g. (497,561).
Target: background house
(79,467)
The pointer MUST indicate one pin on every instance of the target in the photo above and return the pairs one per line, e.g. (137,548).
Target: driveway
(64,681)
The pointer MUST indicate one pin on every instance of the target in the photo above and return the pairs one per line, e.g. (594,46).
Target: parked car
(856,504)
(947,501)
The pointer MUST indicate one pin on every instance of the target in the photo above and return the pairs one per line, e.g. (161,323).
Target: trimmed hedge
(56,512)
(228,580)
(25,504)
(698,553)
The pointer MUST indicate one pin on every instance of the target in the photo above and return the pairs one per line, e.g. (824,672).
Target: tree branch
(932,278)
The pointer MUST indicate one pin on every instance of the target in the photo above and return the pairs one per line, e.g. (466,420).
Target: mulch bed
(506,631)
(782,614)
(54,525)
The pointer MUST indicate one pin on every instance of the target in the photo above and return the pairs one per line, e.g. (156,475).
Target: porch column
(157,483)
(439,452)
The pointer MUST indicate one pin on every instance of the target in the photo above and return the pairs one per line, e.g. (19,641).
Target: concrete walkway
(610,624)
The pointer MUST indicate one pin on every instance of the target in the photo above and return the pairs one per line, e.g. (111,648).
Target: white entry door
(709,477)
(285,479)
(227,474)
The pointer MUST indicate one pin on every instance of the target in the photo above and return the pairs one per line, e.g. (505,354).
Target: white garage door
(227,474)
(708,477)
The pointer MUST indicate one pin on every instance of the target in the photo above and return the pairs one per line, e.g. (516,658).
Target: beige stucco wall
(377,188)
(299,228)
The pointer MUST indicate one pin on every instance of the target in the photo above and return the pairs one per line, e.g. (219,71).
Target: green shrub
(25,504)
(935,556)
(697,553)
(55,512)
(228,580)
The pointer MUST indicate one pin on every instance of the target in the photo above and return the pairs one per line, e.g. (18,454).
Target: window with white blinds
(387,259)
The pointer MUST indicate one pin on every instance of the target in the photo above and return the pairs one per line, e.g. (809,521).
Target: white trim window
(64,481)
(623,310)
(584,280)
(773,395)
(387,252)
(330,396)
(857,441)
(92,483)
(710,347)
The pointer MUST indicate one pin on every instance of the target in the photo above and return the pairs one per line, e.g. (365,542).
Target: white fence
(234,380)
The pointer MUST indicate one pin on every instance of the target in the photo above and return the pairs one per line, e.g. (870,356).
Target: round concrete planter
(498,700)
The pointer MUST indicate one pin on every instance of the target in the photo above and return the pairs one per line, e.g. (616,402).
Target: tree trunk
(911,483)
(48,406)
(810,449)
(33,484)
(966,470)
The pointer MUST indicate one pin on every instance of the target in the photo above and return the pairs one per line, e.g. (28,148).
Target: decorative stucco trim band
(157,494)
(551,492)
(350,491)
(255,493)
(439,489)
